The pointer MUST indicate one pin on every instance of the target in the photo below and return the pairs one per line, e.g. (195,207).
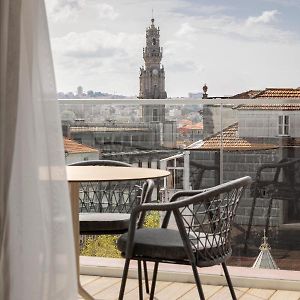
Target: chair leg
(197,280)
(124,278)
(140,280)
(268,217)
(229,281)
(153,281)
(249,224)
(146,276)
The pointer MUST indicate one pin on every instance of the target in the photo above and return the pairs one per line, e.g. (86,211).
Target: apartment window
(283,125)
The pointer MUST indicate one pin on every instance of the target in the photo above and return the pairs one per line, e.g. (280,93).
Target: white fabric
(9,74)
(41,261)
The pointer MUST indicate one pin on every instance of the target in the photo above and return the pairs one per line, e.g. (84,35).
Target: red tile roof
(196,126)
(246,95)
(231,142)
(74,147)
(269,93)
(269,107)
(279,93)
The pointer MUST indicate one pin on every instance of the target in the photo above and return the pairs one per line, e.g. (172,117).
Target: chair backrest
(146,197)
(105,196)
(206,220)
(197,172)
(279,180)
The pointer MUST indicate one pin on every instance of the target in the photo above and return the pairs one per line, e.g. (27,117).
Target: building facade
(254,129)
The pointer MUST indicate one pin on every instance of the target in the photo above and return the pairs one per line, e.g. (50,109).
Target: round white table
(77,174)
(109,173)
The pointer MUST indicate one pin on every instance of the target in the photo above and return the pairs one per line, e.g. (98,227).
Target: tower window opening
(155,115)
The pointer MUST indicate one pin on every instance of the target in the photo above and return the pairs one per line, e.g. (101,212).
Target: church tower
(152,76)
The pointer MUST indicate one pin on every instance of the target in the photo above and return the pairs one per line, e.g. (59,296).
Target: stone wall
(239,164)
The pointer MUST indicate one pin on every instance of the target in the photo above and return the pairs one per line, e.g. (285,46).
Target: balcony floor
(108,288)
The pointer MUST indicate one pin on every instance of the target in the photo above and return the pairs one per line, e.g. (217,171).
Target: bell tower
(152,76)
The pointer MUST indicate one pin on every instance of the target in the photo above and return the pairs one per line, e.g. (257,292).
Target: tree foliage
(105,245)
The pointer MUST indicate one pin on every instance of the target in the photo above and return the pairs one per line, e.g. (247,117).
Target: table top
(111,173)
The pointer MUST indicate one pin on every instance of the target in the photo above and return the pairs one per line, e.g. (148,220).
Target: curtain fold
(37,257)
(10,12)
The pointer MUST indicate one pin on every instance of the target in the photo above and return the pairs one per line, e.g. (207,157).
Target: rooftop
(230,142)
(105,129)
(269,107)
(72,146)
(265,260)
(279,93)
(273,93)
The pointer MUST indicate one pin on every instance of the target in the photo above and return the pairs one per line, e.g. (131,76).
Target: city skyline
(232,47)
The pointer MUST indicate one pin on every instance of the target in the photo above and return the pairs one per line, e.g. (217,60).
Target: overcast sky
(231,45)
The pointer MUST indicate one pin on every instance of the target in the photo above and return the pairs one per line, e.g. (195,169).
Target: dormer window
(283,125)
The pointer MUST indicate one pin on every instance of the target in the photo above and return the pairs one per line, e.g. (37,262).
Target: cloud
(194,9)
(250,29)
(265,17)
(200,45)
(96,48)
(62,10)
(107,11)
(185,29)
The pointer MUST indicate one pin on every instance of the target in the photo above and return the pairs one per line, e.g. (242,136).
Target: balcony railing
(238,137)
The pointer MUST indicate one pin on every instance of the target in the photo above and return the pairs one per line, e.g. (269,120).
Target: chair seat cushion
(155,243)
(100,223)
(165,243)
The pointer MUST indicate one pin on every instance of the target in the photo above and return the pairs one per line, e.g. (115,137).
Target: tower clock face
(154,71)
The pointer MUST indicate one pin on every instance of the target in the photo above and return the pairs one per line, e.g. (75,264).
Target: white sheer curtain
(37,257)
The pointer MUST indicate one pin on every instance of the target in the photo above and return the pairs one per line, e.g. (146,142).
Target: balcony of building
(102,279)
(240,137)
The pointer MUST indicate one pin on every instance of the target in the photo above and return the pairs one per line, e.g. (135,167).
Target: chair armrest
(186,193)
(168,207)
(198,197)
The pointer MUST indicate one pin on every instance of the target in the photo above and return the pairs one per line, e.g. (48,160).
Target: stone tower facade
(152,76)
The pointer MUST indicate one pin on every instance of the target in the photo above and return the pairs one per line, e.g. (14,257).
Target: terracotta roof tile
(269,93)
(279,93)
(74,147)
(196,126)
(231,142)
(269,107)
(246,95)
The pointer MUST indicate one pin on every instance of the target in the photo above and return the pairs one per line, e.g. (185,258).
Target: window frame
(283,125)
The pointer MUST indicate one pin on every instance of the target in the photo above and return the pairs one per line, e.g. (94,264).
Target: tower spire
(265,260)
(152,77)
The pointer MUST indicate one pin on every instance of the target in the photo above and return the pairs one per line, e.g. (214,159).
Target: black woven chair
(105,207)
(108,205)
(204,219)
(275,181)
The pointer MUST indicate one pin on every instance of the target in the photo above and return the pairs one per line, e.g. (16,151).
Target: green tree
(106,245)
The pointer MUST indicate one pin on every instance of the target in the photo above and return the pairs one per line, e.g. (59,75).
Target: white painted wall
(255,123)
